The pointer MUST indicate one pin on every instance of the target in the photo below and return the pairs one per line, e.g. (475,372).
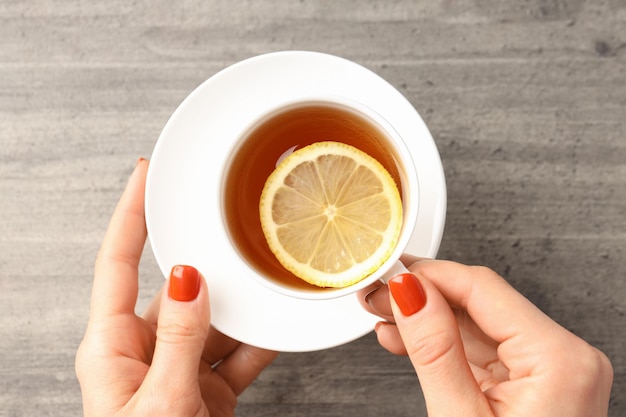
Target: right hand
(481,349)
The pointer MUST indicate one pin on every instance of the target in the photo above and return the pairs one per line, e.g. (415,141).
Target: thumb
(431,336)
(182,328)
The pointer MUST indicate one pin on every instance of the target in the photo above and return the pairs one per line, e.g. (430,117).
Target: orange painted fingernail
(407,293)
(184,283)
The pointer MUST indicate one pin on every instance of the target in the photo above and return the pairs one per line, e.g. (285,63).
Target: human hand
(481,349)
(170,362)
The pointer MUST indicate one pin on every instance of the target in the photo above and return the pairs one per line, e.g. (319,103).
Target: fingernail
(184,283)
(370,295)
(378,301)
(408,293)
(140,160)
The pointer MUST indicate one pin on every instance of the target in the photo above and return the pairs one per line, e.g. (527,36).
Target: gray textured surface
(526,101)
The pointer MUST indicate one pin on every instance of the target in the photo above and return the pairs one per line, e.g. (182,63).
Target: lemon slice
(331,214)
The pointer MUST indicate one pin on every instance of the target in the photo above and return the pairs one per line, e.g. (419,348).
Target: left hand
(168,362)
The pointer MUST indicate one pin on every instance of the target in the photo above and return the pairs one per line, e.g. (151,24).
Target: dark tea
(264,146)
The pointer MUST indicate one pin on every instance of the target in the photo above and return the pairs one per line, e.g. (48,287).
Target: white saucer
(183,214)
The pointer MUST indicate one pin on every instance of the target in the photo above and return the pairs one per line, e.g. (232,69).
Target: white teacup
(279,130)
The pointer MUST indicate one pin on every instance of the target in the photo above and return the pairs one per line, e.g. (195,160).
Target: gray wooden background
(526,101)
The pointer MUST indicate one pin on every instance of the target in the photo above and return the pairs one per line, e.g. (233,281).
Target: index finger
(241,367)
(495,306)
(115,284)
